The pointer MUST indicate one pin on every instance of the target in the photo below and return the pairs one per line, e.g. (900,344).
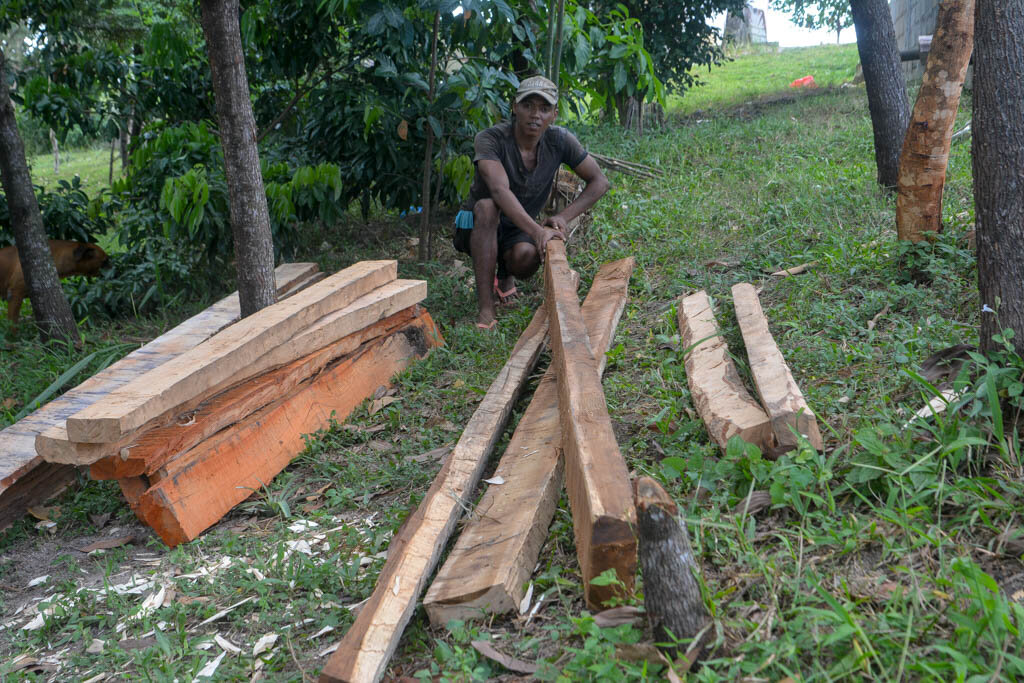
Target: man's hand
(546,235)
(558,223)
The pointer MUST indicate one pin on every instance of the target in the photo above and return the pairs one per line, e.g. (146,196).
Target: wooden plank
(414,551)
(362,313)
(17,442)
(227,356)
(495,554)
(133,488)
(36,486)
(195,490)
(724,404)
(597,479)
(152,449)
(780,395)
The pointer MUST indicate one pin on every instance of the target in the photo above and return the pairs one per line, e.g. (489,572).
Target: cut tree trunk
(929,136)
(49,304)
(250,218)
(597,479)
(998,161)
(780,395)
(415,550)
(494,556)
(724,404)
(884,82)
(195,490)
(229,356)
(672,595)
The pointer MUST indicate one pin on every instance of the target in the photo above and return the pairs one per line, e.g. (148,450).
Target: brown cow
(71,258)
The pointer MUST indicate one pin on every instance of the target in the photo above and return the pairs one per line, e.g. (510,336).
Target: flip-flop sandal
(505,297)
(487,326)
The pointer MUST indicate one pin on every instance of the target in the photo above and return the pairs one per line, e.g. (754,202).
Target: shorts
(509,234)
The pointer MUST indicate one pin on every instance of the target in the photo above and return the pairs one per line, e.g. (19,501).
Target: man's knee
(522,259)
(485,215)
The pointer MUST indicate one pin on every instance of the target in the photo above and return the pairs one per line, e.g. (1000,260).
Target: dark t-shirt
(531,188)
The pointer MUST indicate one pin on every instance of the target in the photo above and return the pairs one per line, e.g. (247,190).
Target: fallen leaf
(9,403)
(403,129)
(210,669)
(107,543)
(264,644)
(95,647)
(380,391)
(100,521)
(226,644)
(754,503)
(485,648)
(496,481)
(524,604)
(224,612)
(438,454)
(368,430)
(378,445)
(38,580)
(458,384)
(637,652)
(43,513)
(380,403)
(720,263)
(617,616)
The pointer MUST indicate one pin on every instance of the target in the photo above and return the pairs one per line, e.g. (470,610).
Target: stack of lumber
(723,402)
(26,479)
(193,437)
(499,547)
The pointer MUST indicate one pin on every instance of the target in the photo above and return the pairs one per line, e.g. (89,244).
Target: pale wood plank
(780,395)
(198,488)
(414,551)
(497,550)
(597,479)
(224,357)
(364,312)
(724,404)
(17,442)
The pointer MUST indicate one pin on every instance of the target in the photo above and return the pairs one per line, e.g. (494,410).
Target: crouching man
(516,163)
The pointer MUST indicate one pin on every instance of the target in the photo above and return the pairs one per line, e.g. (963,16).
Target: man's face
(534,114)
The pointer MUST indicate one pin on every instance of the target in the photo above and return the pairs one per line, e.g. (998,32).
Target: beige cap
(537,85)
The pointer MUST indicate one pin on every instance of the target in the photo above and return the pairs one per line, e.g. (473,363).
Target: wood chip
(210,669)
(879,315)
(264,644)
(136,643)
(107,544)
(226,644)
(795,270)
(224,612)
(496,481)
(485,648)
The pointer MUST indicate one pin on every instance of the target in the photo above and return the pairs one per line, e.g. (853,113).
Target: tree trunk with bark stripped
(926,146)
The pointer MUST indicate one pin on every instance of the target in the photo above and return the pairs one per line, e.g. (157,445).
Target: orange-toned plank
(596,476)
(198,488)
(149,451)
(227,356)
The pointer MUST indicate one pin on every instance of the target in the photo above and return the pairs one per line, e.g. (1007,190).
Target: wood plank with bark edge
(360,314)
(779,393)
(194,491)
(495,554)
(228,355)
(53,444)
(925,154)
(596,476)
(132,488)
(152,449)
(413,553)
(722,401)
(18,457)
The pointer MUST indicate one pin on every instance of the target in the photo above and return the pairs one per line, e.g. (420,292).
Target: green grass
(879,558)
(763,71)
(91,165)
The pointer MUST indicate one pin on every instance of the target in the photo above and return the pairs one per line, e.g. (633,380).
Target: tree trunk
(926,146)
(250,219)
(998,153)
(672,596)
(883,79)
(56,151)
(49,305)
(428,166)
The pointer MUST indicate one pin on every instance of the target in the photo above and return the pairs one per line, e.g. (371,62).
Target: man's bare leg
(483,243)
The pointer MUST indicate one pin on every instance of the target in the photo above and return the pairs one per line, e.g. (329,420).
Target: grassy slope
(834,580)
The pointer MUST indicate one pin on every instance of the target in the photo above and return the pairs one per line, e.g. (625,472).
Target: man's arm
(596,185)
(494,175)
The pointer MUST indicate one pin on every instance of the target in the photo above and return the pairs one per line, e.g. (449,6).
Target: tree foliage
(834,15)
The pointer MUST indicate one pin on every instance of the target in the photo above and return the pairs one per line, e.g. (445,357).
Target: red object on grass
(805,82)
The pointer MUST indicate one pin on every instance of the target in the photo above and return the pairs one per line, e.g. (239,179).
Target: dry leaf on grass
(43,513)
(438,454)
(264,644)
(485,648)
(754,503)
(380,403)
(378,445)
(9,403)
(617,616)
(107,543)
(100,521)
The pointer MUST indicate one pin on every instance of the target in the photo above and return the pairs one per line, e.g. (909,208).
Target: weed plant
(892,554)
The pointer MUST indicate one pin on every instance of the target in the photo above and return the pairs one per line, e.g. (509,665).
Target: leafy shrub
(68,214)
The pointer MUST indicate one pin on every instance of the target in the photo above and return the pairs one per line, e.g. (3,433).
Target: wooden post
(597,479)
(724,404)
(494,556)
(779,393)
(926,146)
(414,551)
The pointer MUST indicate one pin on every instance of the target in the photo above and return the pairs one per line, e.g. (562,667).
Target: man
(516,163)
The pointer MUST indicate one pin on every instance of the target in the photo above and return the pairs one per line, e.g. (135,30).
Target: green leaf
(619,77)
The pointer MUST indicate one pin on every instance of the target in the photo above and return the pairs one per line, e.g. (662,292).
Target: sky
(787,34)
